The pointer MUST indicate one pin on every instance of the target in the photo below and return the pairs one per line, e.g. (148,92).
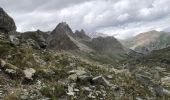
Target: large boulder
(7,24)
(29,73)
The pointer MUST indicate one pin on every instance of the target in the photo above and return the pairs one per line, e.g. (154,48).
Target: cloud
(120,18)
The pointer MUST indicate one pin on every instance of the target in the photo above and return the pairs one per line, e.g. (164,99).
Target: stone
(100,80)
(14,40)
(10,66)
(72,77)
(91,96)
(71,90)
(76,90)
(86,89)
(13,71)
(29,73)
(10,71)
(84,79)
(77,72)
(110,76)
(2,63)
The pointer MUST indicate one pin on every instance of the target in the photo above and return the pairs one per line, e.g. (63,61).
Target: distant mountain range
(148,41)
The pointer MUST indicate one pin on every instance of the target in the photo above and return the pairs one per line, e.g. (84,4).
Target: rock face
(7,24)
(61,38)
(149,41)
(38,36)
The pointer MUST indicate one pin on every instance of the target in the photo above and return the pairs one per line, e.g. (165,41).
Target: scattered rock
(80,76)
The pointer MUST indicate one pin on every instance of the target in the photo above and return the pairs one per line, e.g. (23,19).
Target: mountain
(61,38)
(148,41)
(7,24)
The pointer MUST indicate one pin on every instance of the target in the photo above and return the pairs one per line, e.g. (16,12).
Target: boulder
(29,73)
(71,90)
(2,63)
(7,24)
(11,70)
(100,80)
(80,76)
(14,40)
(84,79)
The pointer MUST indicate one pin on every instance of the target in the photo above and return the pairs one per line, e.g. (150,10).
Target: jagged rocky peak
(81,34)
(63,28)
(61,38)
(7,24)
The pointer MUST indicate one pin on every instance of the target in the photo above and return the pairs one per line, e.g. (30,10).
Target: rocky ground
(29,72)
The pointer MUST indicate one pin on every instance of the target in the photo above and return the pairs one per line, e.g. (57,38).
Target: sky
(119,18)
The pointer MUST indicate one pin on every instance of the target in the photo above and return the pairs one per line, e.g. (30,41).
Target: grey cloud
(122,18)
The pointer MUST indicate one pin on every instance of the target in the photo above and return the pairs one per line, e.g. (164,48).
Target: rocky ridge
(148,41)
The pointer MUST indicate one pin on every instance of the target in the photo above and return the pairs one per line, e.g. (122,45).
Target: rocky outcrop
(61,38)
(81,35)
(7,24)
(38,36)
